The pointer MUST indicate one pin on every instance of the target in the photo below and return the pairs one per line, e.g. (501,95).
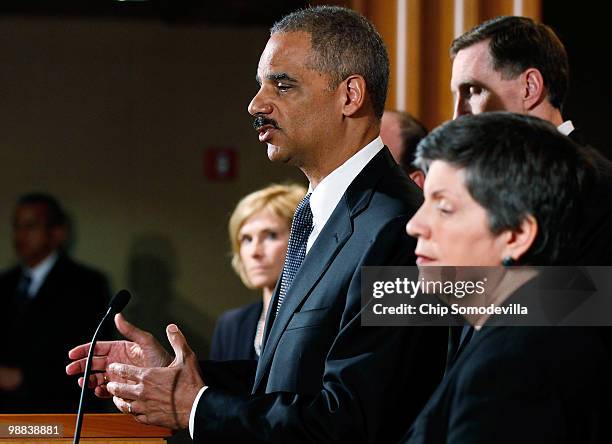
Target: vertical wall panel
(431,27)
(438,25)
(472,14)
(383,13)
(414,47)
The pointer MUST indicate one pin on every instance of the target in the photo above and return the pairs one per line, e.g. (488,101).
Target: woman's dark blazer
(234,333)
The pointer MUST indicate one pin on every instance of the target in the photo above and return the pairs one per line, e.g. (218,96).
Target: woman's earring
(508,261)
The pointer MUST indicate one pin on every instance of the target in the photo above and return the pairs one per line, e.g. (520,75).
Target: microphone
(118,303)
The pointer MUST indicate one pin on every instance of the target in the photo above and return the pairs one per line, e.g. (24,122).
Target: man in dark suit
(517,64)
(49,304)
(321,376)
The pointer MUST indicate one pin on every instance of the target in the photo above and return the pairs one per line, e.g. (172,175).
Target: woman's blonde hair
(282,200)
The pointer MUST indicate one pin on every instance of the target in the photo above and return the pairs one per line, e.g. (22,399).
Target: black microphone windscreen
(120,300)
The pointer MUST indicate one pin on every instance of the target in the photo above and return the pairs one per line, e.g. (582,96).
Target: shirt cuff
(193,410)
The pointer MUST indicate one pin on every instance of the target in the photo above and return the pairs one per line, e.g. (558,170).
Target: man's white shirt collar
(39,273)
(566,128)
(327,194)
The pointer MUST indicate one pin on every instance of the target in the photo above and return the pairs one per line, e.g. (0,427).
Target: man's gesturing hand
(160,396)
(141,350)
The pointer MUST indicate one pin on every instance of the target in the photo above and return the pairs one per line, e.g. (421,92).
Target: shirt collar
(40,272)
(566,128)
(328,193)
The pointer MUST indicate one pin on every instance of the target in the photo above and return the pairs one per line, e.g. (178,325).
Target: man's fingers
(178,343)
(124,371)
(90,385)
(101,392)
(81,351)
(123,405)
(125,391)
(130,408)
(98,364)
(95,380)
(130,331)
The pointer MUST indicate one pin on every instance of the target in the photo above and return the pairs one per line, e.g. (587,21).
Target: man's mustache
(261,121)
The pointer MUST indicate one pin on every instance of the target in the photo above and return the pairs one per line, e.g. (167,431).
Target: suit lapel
(46,290)
(334,235)
(271,313)
(468,349)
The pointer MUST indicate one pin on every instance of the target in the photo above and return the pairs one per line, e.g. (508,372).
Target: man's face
(477,87)
(391,134)
(33,239)
(295,110)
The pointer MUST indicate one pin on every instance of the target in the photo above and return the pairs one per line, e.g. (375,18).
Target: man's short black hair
(519,43)
(344,43)
(515,166)
(56,216)
(412,131)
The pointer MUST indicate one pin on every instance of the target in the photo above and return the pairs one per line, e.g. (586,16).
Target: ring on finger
(129,407)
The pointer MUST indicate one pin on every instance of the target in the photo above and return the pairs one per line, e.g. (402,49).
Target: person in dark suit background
(517,64)
(402,132)
(49,304)
(259,232)
(322,377)
(505,189)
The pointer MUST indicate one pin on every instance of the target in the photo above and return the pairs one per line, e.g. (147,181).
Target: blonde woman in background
(259,231)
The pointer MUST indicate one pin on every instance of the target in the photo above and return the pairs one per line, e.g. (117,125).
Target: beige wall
(418,34)
(113,116)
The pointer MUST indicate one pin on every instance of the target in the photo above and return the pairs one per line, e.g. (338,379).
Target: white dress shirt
(39,273)
(566,128)
(323,201)
(327,194)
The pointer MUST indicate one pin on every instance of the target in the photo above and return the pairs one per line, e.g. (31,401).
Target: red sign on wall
(220,164)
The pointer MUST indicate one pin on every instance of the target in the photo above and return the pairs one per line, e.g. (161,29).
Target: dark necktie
(23,286)
(301,227)
(21,298)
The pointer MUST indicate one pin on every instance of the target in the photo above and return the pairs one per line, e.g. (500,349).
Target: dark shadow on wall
(151,277)
(583,30)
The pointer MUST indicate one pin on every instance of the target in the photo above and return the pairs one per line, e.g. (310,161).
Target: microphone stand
(116,305)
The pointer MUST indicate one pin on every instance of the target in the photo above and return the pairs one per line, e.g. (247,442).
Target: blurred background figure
(259,231)
(402,132)
(49,304)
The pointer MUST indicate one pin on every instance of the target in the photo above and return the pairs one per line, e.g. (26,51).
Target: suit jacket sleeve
(365,379)
(235,376)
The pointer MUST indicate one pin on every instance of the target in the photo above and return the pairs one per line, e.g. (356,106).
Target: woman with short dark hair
(504,189)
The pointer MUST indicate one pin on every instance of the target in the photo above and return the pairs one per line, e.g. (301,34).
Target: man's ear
(534,91)
(418,177)
(520,240)
(353,94)
(59,235)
